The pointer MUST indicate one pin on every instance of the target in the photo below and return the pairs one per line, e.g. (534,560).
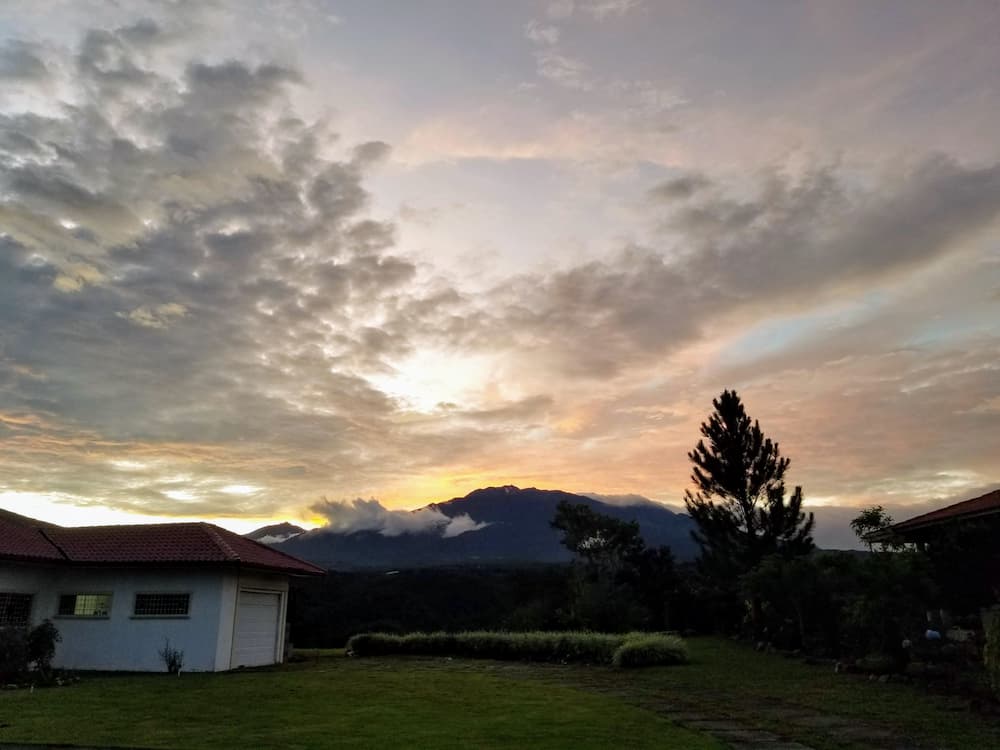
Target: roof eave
(919,524)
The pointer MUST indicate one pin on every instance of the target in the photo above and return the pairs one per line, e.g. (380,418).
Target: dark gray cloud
(790,243)
(817,233)
(22,61)
(680,188)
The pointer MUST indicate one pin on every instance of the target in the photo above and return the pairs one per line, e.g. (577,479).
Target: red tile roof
(19,541)
(167,544)
(978,506)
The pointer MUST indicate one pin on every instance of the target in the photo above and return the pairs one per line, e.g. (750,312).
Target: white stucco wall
(124,642)
(121,641)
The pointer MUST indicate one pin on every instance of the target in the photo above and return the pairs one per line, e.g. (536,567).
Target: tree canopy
(620,583)
(739,505)
(598,539)
(869,521)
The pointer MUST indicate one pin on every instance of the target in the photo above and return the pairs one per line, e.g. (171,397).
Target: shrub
(991,651)
(13,652)
(650,650)
(41,645)
(560,647)
(172,658)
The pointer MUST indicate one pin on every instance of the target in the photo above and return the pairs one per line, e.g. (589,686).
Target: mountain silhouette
(517,531)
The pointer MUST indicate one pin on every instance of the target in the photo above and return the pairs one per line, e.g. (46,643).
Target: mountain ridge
(512,527)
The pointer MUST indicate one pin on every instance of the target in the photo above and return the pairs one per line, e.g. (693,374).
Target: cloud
(195,276)
(601,9)
(560,9)
(462,524)
(626,500)
(563,70)
(370,515)
(157,317)
(22,61)
(793,242)
(680,188)
(196,293)
(596,9)
(539,33)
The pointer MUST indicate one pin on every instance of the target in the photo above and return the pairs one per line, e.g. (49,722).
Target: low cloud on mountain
(351,516)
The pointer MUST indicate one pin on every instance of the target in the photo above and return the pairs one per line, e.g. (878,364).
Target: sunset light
(348,253)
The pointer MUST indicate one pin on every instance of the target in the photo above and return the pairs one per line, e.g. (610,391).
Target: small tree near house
(870,521)
(42,640)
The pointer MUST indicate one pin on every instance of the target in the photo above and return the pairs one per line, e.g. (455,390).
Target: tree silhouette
(600,540)
(619,582)
(868,522)
(739,506)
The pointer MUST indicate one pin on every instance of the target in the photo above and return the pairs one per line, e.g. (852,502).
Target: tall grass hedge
(631,650)
(650,649)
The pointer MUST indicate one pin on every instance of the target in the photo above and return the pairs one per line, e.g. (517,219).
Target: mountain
(516,531)
(276,533)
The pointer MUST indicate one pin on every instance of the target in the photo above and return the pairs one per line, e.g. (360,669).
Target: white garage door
(257,621)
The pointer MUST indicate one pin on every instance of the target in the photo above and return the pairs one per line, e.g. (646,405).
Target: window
(162,605)
(15,610)
(85,605)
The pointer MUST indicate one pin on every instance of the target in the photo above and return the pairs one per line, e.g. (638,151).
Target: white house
(117,594)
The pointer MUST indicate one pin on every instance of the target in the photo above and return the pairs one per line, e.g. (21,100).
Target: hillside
(517,531)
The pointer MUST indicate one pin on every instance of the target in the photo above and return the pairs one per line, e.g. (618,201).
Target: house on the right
(928,527)
(962,541)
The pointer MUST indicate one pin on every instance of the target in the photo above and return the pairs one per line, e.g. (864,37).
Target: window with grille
(85,605)
(15,610)
(162,605)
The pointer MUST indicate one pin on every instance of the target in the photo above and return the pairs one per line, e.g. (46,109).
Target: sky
(261,257)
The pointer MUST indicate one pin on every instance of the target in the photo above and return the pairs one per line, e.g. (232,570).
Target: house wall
(121,641)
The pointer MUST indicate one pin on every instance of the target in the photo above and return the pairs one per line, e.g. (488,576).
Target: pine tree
(739,507)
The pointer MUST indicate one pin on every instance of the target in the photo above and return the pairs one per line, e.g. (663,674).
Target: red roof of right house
(984,505)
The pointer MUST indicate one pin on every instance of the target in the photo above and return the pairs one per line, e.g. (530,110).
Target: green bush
(560,647)
(13,652)
(22,647)
(991,651)
(41,643)
(650,650)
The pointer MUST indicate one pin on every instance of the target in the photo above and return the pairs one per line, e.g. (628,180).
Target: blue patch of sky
(437,54)
(773,335)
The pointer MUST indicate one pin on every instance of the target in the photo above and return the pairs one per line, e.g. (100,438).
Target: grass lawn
(336,702)
(778,694)
(328,700)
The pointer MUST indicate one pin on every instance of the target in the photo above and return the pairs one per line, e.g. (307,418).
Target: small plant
(173,658)
(41,645)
